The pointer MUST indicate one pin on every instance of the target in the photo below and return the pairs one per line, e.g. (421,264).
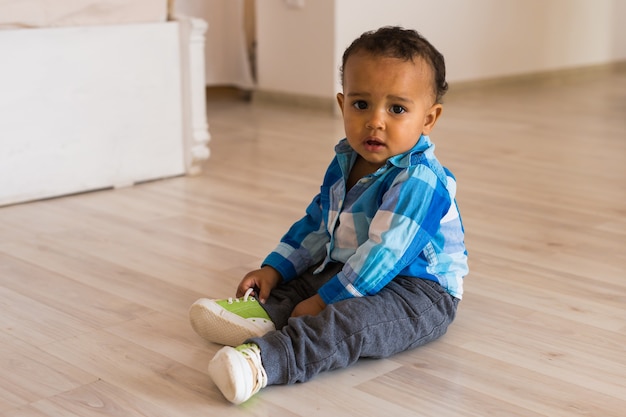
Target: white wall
(300,49)
(295,47)
(225,47)
(494,38)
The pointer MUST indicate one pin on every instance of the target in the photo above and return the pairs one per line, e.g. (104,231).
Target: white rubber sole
(220,326)
(231,372)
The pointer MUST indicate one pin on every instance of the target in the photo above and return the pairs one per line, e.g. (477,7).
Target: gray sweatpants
(407,313)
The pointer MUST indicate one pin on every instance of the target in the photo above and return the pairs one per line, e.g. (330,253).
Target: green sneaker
(230,321)
(238,372)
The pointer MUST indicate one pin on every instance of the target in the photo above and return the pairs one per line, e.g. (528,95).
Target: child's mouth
(373,145)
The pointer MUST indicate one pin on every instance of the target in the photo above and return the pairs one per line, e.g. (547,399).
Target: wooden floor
(94,288)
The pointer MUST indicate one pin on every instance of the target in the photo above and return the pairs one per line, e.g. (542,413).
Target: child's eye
(395,109)
(360,105)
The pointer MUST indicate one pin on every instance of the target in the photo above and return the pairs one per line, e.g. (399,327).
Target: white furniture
(91,107)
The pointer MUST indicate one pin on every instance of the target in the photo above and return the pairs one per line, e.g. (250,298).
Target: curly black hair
(406,44)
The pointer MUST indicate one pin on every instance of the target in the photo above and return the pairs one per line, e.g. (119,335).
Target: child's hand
(263,280)
(310,306)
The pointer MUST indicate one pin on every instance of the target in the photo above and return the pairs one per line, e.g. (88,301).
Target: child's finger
(264,292)
(243,287)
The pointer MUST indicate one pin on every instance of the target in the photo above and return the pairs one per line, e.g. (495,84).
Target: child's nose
(376,120)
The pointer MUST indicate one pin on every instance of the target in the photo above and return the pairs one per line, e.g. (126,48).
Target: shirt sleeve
(303,245)
(407,219)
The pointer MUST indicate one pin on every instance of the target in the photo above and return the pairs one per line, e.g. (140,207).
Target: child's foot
(238,372)
(230,321)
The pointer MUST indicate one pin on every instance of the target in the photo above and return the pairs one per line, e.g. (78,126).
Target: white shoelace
(254,355)
(245,297)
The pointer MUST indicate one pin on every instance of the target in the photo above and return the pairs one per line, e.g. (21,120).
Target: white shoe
(238,372)
(230,321)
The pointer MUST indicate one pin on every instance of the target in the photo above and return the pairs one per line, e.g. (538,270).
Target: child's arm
(303,246)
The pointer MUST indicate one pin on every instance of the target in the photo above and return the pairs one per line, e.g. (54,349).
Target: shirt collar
(403,160)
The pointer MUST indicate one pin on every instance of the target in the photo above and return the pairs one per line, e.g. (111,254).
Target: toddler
(376,265)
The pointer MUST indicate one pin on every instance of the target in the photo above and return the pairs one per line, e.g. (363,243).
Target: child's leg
(409,312)
(285,297)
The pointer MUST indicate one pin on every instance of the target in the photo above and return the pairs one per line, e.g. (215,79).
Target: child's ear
(340,98)
(431,118)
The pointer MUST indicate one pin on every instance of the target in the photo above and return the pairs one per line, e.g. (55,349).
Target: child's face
(387,103)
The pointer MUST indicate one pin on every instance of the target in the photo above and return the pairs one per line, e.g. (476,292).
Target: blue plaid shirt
(401,220)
